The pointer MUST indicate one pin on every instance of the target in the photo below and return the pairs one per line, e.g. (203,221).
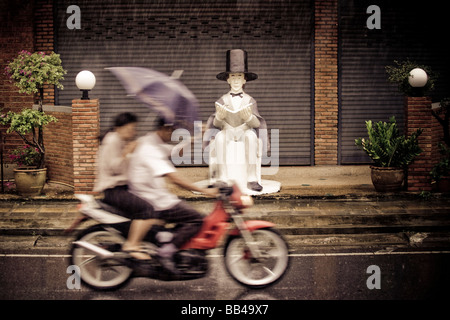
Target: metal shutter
(194,36)
(408,30)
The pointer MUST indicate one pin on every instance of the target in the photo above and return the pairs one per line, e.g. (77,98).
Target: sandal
(138,255)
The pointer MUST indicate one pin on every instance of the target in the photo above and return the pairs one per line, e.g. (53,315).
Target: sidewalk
(322,200)
(328,181)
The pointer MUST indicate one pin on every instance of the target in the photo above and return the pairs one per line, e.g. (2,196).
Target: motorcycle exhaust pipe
(103,253)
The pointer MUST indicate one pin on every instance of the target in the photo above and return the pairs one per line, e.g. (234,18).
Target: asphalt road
(390,273)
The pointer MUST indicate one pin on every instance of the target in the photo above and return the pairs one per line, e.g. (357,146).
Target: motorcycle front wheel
(259,272)
(96,272)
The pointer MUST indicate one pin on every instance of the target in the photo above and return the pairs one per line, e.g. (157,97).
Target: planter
(387,179)
(29,181)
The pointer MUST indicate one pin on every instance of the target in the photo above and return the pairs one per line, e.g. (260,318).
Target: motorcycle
(255,254)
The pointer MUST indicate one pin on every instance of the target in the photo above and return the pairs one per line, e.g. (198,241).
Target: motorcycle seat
(111,208)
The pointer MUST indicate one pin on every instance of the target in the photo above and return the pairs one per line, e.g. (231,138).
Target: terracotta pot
(30,182)
(387,179)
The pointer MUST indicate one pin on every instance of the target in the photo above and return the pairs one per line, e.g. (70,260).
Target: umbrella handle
(167,113)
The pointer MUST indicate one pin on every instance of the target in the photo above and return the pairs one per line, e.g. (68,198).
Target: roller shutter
(194,36)
(408,30)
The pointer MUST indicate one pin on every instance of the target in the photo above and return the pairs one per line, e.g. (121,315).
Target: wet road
(420,274)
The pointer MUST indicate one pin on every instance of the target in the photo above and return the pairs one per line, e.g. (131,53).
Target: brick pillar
(85,132)
(326,82)
(418,115)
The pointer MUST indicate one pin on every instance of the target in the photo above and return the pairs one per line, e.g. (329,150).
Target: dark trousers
(133,206)
(190,221)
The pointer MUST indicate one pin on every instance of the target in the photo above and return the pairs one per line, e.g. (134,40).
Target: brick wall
(58,145)
(44,38)
(16,34)
(26,25)
(326,82)
(72,143)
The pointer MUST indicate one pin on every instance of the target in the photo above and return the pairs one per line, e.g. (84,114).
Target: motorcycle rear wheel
(95,272)
(261,272)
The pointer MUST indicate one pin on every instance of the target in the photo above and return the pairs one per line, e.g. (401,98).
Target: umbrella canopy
(163,94)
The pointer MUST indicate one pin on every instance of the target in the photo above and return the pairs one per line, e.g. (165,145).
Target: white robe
(235,153)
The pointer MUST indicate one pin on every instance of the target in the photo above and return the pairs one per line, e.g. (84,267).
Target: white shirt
(236,102)
(148,165)
(112,166)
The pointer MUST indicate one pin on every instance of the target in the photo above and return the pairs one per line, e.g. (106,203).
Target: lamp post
(85,81)
(418,116)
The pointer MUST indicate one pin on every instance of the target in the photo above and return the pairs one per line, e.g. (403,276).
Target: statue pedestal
(269,186)
(235,166)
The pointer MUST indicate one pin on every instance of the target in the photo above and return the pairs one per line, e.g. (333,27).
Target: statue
(235,152)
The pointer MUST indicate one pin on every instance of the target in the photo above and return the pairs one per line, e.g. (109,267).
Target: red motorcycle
(255,254)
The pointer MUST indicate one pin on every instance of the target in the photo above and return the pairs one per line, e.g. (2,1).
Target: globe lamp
(85,81)
(417,78)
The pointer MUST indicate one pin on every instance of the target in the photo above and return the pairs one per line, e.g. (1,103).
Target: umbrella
(163,94)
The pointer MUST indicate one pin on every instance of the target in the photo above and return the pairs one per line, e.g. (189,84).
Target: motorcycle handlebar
(227,191)
(234,195)
(224,189)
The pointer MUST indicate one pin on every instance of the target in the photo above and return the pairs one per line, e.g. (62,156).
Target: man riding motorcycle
(149,166)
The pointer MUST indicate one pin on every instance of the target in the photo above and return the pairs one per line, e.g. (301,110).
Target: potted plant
(391,153)
(27,158)
(30,174)
(30,72)
(399,74)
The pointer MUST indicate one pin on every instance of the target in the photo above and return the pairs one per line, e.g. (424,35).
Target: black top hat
(237,63)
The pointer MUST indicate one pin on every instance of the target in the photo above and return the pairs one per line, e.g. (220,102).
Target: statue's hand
(221,112)
(246,114)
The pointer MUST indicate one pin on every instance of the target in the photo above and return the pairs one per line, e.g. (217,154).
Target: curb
(292,195)
(288,223)
(311,222)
